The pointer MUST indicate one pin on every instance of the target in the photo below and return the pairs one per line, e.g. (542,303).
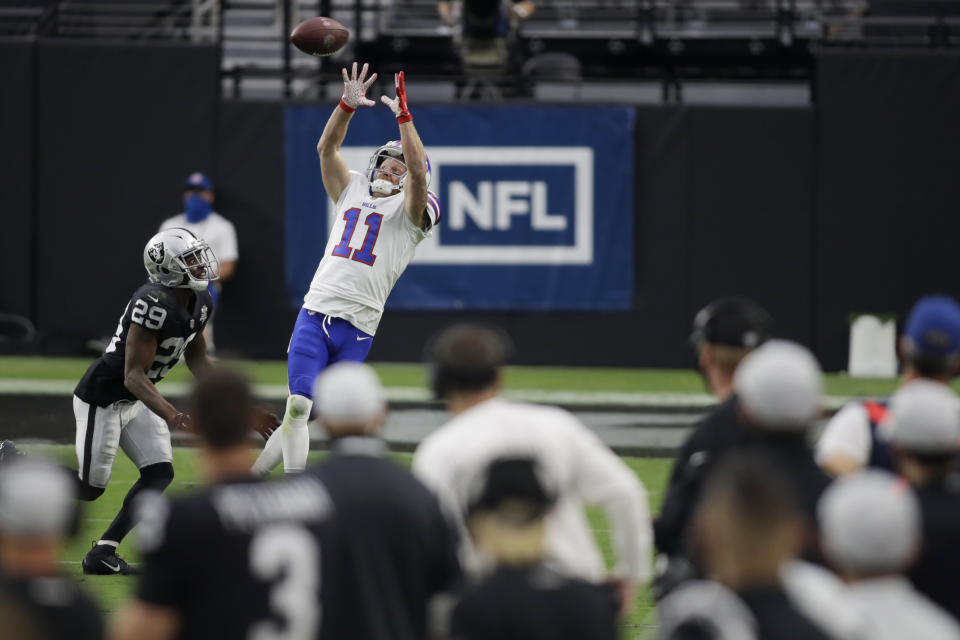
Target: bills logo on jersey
(156,253)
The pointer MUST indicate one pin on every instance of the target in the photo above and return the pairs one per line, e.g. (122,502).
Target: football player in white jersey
(382,216)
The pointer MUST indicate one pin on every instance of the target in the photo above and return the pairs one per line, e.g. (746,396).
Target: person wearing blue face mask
(199,217)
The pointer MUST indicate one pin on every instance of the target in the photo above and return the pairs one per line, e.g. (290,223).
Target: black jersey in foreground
(713,435)
(54,606)
(155,308)
(351,549)
(395,549)
(936,573)
(238,556)
(535,603)
(776,616)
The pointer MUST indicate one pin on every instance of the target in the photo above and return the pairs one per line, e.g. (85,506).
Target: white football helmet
(177,258)
(383,186)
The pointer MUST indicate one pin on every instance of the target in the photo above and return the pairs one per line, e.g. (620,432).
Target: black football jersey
(535,603)
(155,308)
(394,550)
(55,607)
(239,559)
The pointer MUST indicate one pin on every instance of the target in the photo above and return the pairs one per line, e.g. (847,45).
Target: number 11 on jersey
(365,253)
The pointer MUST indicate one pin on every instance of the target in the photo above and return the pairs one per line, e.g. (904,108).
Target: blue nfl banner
(537,205)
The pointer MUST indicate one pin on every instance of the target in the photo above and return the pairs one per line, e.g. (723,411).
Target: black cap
(733,321)
(515,481)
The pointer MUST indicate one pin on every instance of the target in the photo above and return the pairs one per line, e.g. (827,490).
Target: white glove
(355,89)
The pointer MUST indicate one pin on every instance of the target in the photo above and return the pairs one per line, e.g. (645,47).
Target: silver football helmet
(177,258)
(384,186)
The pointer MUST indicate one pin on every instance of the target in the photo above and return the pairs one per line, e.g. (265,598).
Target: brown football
(319,36)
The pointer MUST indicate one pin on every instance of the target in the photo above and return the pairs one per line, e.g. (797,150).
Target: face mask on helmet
(177,258)
(387,172)
(200,266)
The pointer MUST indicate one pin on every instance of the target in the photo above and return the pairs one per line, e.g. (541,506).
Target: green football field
(517,378)
(112,591)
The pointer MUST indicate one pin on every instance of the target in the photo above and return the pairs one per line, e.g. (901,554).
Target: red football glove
(399,104)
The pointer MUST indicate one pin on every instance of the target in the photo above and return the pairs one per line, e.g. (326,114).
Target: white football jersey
(371,243)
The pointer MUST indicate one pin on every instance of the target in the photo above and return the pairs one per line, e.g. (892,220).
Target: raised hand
(399,104)
(265,423)
(355,88)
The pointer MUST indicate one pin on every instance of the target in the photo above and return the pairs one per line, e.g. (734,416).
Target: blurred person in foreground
(238,558)
(929,349)
(870,529)
(199,217)
(38,514)
(923,432)
(780,387)
(466,372)
(523,597)
(748,525)
(395,555)
(724,332)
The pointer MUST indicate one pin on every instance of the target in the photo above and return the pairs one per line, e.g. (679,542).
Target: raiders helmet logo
(155,253)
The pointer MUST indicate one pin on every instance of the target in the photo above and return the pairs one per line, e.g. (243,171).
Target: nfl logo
(155,252)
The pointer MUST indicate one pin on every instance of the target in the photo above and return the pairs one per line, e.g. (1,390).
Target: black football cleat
(9,452)
(102,560)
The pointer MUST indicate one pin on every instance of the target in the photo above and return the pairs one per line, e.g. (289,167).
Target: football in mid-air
(319,36)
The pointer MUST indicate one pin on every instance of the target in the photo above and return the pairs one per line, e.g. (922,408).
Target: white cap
(869,522)
(780,385)
(924,417)
(349,393)
(36,499)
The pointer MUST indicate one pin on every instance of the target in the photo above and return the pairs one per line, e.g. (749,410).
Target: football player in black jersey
(240,558)
(117,402)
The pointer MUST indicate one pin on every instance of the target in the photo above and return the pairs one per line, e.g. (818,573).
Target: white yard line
(418,394)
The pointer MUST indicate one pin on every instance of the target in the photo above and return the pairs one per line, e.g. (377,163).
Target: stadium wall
(887,223)
(816,212)
(118,128)
(17,160)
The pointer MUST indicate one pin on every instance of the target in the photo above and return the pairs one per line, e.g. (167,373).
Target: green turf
(412,375)
(112,591)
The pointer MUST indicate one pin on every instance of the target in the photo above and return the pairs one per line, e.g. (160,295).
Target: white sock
(109,543)
(294,433)
(270,457)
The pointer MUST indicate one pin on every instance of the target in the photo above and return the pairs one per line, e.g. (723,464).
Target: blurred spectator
(396,552)
(870,528)
(199,217)
(923,429)
(523,597)
(38,514)
(724,332)
(930,349)
(215,561)
(748,525)
(466,362)
(780,387)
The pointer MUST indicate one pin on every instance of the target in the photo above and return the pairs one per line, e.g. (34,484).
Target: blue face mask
(196,208)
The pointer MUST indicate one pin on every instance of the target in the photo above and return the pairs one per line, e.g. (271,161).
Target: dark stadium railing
(610,39)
